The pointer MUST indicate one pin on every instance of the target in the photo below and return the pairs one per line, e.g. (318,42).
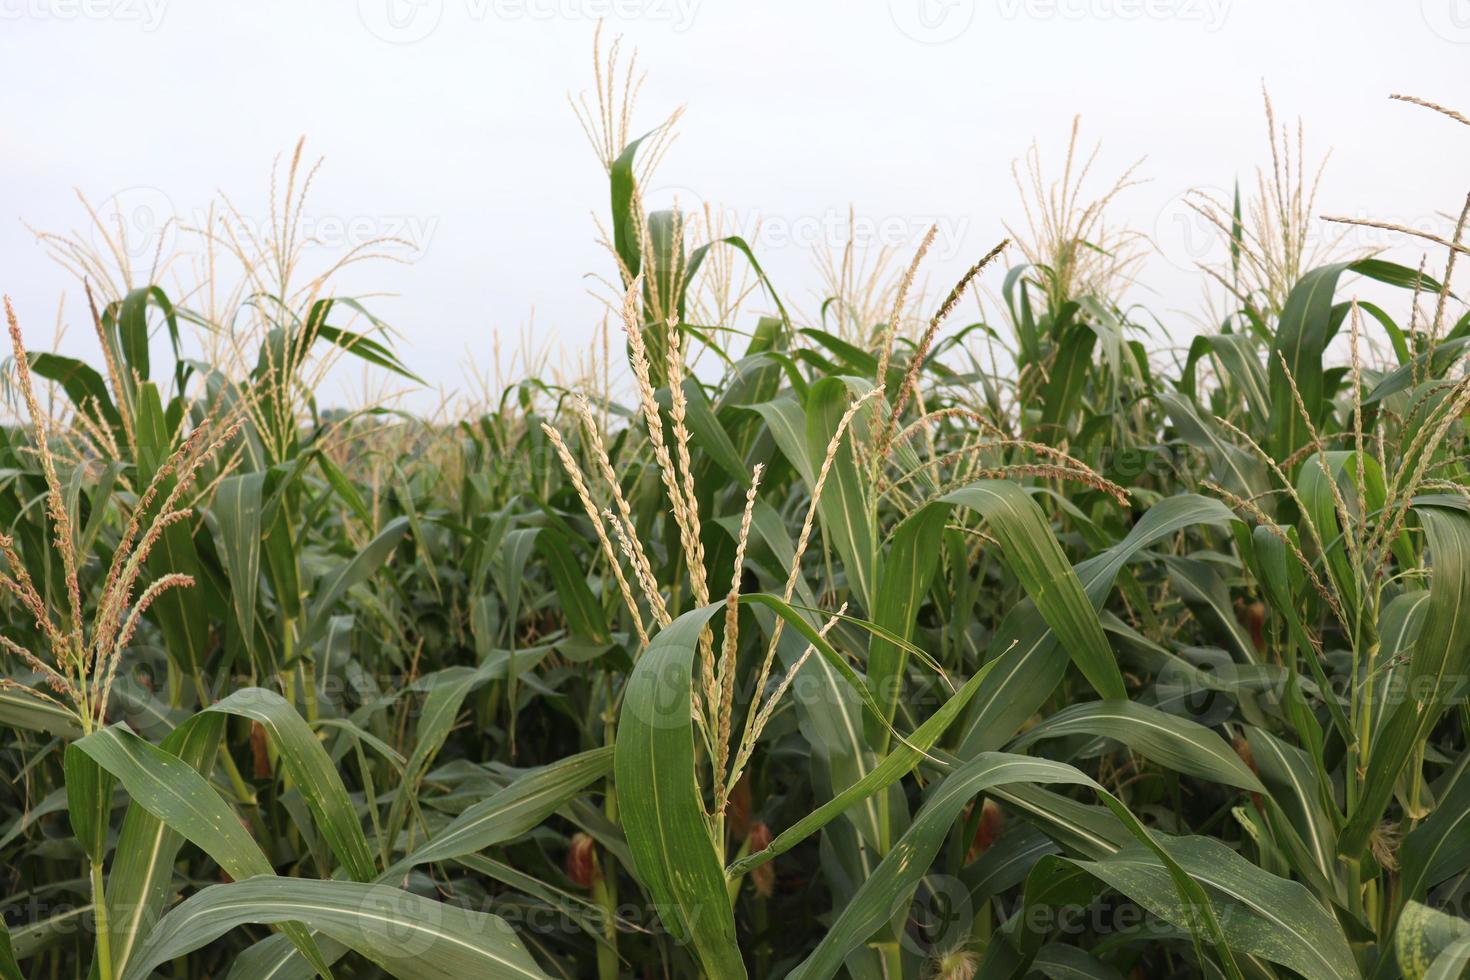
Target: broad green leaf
(904,576)
(1031,658)
(1296,787)
(140,880)
(176,794)
(1067,382)
(1441,655)
(1176,743)
(894,766)
(584,616)
(843,507)
(786,422)
(1295,359)
(516,809)
(888,889)
(1199,584)
(663,812)
(1265,916)
(1439,847)
(1032,553)
(1061,962)
(447,690)
(311,773)
(88,801)
(81,382)
(335,584)
(1243,371)
(1424,935)
(1234,467)
(237,513)
(9,969)
(21,710)
(411,937)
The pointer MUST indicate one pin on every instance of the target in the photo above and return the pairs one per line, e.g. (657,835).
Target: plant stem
(99,915)
(607,952)
(605,890)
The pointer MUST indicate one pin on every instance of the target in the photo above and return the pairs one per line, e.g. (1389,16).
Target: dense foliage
(883,644)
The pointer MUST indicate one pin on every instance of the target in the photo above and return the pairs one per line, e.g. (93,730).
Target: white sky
(446,121)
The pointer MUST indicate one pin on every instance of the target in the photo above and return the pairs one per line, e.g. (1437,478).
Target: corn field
(1008,631)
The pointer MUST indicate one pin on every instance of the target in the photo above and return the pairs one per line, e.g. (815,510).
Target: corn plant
(902,640)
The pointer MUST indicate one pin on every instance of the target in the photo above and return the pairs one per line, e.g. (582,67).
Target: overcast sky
(446,122)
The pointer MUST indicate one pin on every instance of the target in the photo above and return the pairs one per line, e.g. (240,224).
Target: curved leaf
(666,827)
(411,937)
(170,789)
(1176,743)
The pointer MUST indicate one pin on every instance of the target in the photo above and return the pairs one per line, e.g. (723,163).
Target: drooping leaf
(411,937)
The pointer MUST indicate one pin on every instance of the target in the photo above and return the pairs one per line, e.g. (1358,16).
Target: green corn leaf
(843,507)
(516,809)
(1031,657)
(311,773)
(1439,847)
(19,709)
(1263,915)
(1425,935)
(663,813)
(893,767)
(584,615)
(88,801)
(1037,560)
(1296,357)
(905,575)
(335,584)
(237,513)
(1176,743)
(9,969)
(1441,655)
(176,794)
(887,890)
(411,937)
(140,882)
(1061,962)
